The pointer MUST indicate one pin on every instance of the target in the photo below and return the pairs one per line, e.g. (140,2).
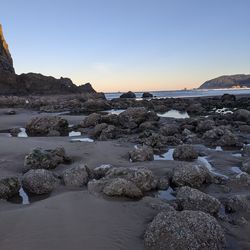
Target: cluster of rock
(190,217)
(112,126)
(124,182)
(131,94)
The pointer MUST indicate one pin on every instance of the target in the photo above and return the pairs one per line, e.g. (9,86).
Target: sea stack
(6,62)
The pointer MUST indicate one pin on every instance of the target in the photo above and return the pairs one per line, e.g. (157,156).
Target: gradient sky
(121,45)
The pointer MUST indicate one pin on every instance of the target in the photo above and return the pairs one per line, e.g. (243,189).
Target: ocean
(185,93)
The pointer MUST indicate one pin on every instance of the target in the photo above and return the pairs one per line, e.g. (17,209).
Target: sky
(121,45)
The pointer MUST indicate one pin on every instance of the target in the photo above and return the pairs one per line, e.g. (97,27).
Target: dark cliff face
(6,62)
(227,82)
(32,83)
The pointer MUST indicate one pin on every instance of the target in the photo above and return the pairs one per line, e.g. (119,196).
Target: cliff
(32,83)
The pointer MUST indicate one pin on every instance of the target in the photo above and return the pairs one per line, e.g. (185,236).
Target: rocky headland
(223,82)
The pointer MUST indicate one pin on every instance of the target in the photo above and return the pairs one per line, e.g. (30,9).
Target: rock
(96,187)
(246,150)
(42,126)
(157,204)
(101,171)
(109,132)
(45,158)
(228,139)
(156,141)
(246,166)
(236,203)
(111,119)
(143,178)
(185,153)
(242,115)
(91,121)
(205,125)
(244,128)
(14,131)
(38,84)
(184,230)
(133,117)
(123,188)
(220,136)
(39,181)
(9,187)
(149,125)
(163,183)
(241,179)
(93,105)
(147,95)
(190,174)
(195,108)
(193,199)
(76,177)
(169,130)
(6,62)
(228,98)
(96,132)
(129,94)
(141,154)
(86,88)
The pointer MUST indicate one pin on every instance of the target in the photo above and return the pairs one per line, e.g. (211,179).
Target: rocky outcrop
(123,182)
(32,83)
(133,117)
(6,62)
(7,72)
(86,88)
(227,82)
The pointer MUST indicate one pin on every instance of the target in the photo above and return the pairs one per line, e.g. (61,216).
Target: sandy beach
(75,218)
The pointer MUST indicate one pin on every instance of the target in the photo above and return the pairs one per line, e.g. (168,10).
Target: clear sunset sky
(121,45)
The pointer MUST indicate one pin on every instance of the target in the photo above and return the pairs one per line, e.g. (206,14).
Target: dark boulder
(43,126)
(193,199)
(129,94)
(185,153)
(45,158)
(133,117)
(147,95)
(140,154)
(228,98)
(39,181)
(184,230)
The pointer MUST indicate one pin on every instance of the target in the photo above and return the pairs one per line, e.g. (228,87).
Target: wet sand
(75,220)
